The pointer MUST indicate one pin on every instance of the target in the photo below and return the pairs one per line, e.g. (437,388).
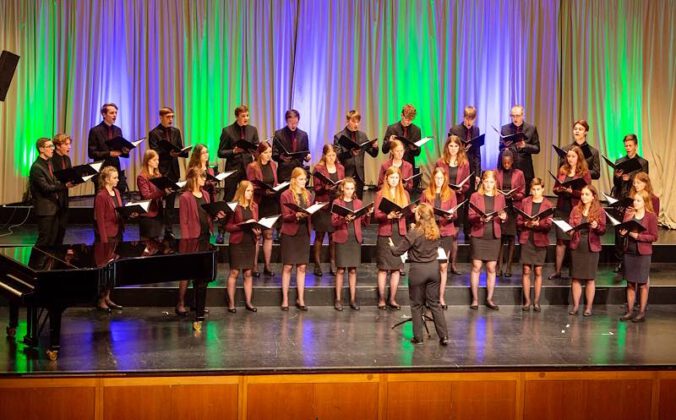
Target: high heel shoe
(285,308)
(587,313)
(573,311)
(382,306)
(180,313)
(115,306)
(301,307)
(394,306)
(232,310)
(537,308)
(639,318)
(354,305)
(338,305)
(627,317)
(103,309)
(555,276)
(268,273)
(491,305)
(525,308)
(444,307)
(250,308)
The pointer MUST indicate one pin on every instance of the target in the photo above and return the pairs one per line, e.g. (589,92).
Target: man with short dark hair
(236,157)
(98,149)
(45,191)
(353,158)
(60,161)
(406,129)
(292,139)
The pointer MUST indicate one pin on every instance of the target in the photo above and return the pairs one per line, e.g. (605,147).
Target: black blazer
(522,157)
(474,153)
(168,165)
(353,164)
(58,163)
(229,136)
(98,146)
(413,134)
(621,188)
(45,189)
(593,162)
(283,135)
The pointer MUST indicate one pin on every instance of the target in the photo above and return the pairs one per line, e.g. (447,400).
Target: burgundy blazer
(518,182)
(647,237)
(340,234)
(189,216)
(210,185)
(321,192)
(575,197)
(462,173)
(594,234)
(541,230)
(254,172)
(406,170)
(236,233)
(108,221)
(384,225)
(477,228)
(289,222)
(149,191)
(446,226)
(656,204)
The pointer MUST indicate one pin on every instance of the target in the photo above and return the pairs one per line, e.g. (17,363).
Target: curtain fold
(606,61)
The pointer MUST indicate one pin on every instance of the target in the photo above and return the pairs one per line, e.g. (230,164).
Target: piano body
(48,280)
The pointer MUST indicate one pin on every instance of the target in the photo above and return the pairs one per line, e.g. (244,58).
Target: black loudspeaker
(8,62)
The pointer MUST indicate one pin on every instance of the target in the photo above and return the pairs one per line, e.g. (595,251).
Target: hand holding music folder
(264,223)
(625,202)
(134,208)
(309,211)
(413,144)
(247,146)
(296,155)
(387,206)
(458,187)
(79,174)
(450,212)
(118,143)
(345,212)
(509,140)
(477,141)
(213,209)
(627,166)
(219,176)
(574,184)
(541,215)
(485,216)
(164,183)
(630,225)
(169,147)
(268,187)
(327,180)
(347,143)
(566,228)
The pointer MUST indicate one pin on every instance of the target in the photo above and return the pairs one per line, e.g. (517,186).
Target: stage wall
(610,62)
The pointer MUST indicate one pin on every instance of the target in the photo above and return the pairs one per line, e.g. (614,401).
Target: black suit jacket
(45,188)
(413,134)
(58,163)
(354,165)
(168,165)
(474,153)
(522,157)
(621,188)
(231,135)
(283,135)
(593,161)
(98,146)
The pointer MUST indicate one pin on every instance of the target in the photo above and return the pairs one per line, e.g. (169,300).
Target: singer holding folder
(348,239)
(439,195)
(236,157)
(589,222)
(352,157)
(327,173)
(242,244)
(199,158)
(454,162)
(486,214)
(264,169)
(295,241)
(287,145)
(638,253)
(97,144)
(512,185)
(61,161)
(151,222)
(642,183)
(396,160)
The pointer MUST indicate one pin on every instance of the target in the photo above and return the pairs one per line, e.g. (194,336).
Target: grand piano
(47,280)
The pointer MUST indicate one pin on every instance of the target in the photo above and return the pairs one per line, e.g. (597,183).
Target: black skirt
(385,260)
(485,249)
(321,221)
(531,254)
(296,249)
(637,268)
(583,261)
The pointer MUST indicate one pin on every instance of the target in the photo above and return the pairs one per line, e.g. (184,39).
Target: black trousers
(62,217)
(169,214)
(48,230)
(423,289)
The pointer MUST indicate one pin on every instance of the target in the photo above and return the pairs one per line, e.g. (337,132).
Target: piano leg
(13,319)
(32,326)
(200,292)
(55,313)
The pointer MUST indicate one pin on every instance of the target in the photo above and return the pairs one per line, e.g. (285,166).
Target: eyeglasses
(515,115)
(48,146)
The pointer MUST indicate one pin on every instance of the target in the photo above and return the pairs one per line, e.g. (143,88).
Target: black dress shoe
(354,306)
(232,310)
(537,308)
(443,341)
(394,306)
(180,313)
(474,307)
(115,306)
(338,306)
(639,318)
(301,307)
(251,308)
(627,317)
(285,308)
(491,305)
(102,309)
(382,307)
(318,270)
(416,341)
(268,273)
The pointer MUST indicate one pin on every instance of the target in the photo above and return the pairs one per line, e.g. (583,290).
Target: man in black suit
(237,158)
(292,139)
(46,192)
(591,154)
(99,136)
(622,183)
(406,129)
(353,158)
(466,130)
(61,161)
(525,147)
(165,131)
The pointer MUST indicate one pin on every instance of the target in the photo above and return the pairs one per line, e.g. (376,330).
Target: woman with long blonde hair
(295,241)
(422,244)
(391,226)
(642,182)
(454,162)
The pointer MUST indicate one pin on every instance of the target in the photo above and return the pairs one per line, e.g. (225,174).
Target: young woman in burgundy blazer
(439,195)
(509,178)
(485,236)
(199,158)
(325,192)
(264,169)
(397,160)
(585,245)
(638,253)
(454,162)
(391,226)
(109,223)
(642,182)
(242,244)
(195,221)
(574,167)
(348,239)
(295,240)
(534,241)
(151,222)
